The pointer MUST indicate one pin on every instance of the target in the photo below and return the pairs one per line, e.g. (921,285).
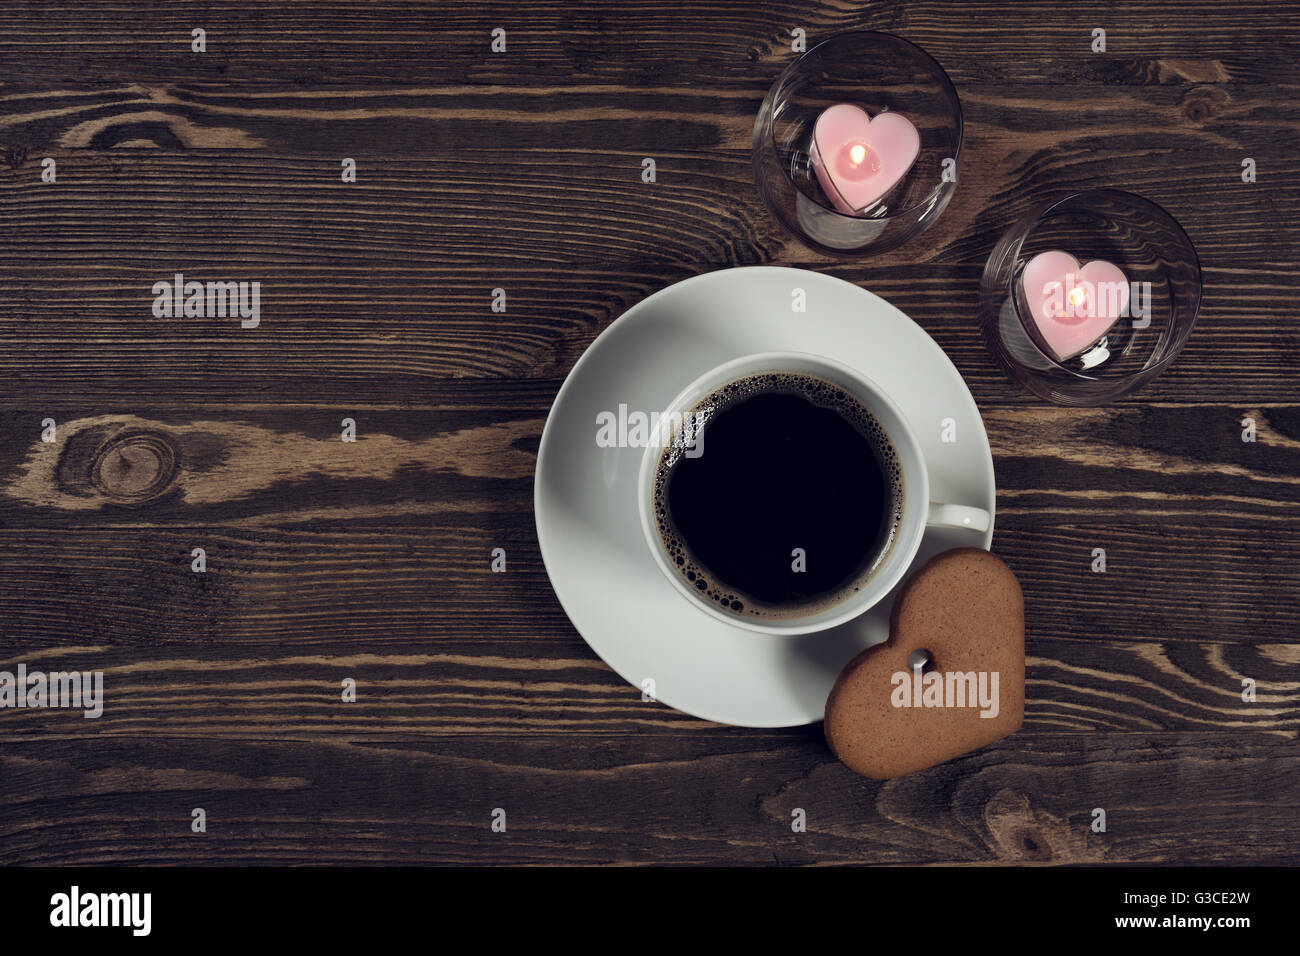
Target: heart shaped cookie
(964,611)
(858,159)
(1072,305)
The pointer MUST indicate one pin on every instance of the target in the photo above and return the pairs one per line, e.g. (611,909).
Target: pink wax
(1073,306)
(858,159)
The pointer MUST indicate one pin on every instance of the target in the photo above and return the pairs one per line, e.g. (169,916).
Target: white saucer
(585,496)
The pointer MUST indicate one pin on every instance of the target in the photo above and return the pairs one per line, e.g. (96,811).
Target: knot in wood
(134,466)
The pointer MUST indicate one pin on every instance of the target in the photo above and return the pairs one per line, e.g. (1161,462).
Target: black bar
(655,906)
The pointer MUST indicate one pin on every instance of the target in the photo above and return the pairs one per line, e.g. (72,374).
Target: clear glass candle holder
(1161,273)
(876,72)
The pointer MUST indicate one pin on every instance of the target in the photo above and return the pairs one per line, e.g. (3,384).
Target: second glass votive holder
(1088,297)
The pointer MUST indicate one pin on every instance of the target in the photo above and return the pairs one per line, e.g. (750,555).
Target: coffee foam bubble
(819,392)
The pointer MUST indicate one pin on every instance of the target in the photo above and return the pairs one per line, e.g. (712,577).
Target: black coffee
(792,505)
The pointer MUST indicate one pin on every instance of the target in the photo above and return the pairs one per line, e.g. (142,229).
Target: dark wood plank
(474,670)
(276,591)
(391,345)
(276,465)
(554,42)
(724,798)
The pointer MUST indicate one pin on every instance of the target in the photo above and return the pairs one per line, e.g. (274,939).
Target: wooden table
(521,171)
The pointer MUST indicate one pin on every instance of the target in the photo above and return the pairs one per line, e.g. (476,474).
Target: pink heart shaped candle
(1073,306)
(858,159)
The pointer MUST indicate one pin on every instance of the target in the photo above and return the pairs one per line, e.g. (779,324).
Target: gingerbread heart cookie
(950,679)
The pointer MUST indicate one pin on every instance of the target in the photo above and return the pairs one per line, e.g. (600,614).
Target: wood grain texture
(1027,799)
(521,171)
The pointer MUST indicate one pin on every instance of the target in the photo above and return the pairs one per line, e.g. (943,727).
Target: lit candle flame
(857,153)
(1077,297)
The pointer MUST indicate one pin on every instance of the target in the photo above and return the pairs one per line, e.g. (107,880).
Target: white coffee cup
(919,512)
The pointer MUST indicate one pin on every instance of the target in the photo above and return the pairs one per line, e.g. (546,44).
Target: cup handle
(958,516)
